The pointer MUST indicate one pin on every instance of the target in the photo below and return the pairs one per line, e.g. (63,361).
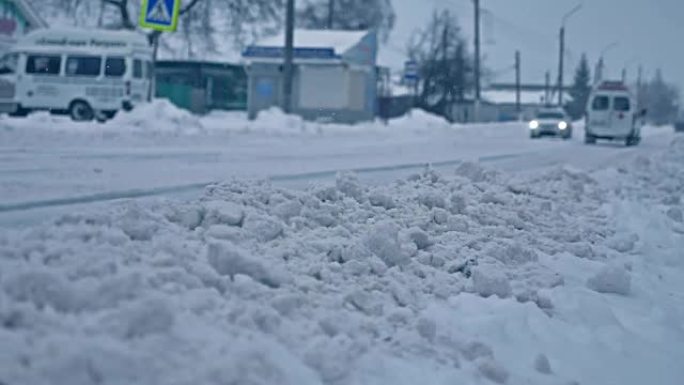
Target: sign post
(411,77)
(160,15)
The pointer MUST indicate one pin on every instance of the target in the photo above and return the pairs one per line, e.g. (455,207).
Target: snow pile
(158,115)
(472,277)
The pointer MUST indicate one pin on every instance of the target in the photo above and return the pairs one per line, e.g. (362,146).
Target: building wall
(202,86)
(465,113)
(322,92)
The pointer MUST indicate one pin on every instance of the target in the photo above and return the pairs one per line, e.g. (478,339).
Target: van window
(83,66)
(115,67)
(621,103)
(43,64)
(8,64)
(600,103)
(137,69)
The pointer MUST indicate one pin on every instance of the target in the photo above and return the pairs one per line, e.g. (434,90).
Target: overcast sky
(648,32)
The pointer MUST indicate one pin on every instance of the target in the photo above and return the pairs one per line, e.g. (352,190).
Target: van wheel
(20,112)
(632,141)
(81,111)
(589,139)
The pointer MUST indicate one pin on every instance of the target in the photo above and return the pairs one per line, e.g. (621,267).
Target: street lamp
(562,51)
(599,69)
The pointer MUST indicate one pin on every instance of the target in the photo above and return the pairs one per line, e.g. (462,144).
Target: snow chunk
(613,279)
(432,199)
(40,288)
(263,227)
(419,237)
(427,328)
(228,259)
(488,282)
(675,214)
(457,204)
(514,254)
(475,350)
(285,304)
(542,364)
(364,302)
(472,171)
(348,184)
(623,243)
(383,241)
(151,316)
(138,224)
(493,371)
(189,216)
(379,198)
(288,210)
(223,212)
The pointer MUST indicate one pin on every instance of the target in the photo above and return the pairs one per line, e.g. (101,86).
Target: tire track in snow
(178,189)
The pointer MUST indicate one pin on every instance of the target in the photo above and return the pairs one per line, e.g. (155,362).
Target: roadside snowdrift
(469,278)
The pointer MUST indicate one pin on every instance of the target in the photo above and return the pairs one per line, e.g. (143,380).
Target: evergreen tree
(580,90)
(662,100)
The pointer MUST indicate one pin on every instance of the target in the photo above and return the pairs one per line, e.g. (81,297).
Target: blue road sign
(411,70)
(161,15)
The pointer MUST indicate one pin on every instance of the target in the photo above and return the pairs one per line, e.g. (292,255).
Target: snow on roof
(508,96)
(340,41)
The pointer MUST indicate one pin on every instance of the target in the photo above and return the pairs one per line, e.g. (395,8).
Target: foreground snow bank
(474,277)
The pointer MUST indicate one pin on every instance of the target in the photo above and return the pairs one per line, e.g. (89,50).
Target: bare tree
(444,64)
(348,15)
(201,21)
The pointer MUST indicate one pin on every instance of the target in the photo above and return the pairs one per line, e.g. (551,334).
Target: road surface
(44,173)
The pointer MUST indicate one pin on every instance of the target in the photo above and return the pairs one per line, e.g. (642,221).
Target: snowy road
(47,166)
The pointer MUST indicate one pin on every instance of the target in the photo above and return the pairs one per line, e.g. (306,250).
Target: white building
(17,18)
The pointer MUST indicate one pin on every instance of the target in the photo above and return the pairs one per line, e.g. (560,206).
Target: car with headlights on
(551,121)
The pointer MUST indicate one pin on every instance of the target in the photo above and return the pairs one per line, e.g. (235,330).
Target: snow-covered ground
(49,164)
(548,262)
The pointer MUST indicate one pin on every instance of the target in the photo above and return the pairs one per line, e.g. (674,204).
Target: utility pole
(547,87)
(477,60)
(288,69)
(445,63)
(517,83)
(560,66)
(562,52)
(640,101)
(331,13)
(624,75)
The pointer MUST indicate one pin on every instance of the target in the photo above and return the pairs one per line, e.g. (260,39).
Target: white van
(85,73)
(612,114)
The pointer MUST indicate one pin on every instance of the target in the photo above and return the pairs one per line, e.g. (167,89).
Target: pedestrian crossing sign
(161,15)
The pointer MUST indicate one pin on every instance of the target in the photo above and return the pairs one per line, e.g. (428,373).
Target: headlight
(534,124)
(562,125)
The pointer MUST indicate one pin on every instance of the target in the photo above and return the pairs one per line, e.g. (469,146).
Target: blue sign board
(299,53)
(411,71)
(161,15)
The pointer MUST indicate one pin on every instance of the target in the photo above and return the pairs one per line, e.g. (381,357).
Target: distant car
(612,114)
(551,121)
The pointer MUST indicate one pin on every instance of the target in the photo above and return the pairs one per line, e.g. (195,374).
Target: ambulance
(612,114)
(84,73)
